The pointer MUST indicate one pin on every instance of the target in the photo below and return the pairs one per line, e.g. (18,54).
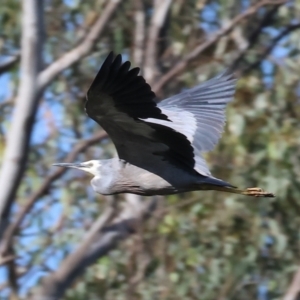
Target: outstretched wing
(119,99)
(199,114)
(151,136)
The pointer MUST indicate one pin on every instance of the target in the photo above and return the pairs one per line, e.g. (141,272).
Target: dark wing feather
(118,89)
(118,99)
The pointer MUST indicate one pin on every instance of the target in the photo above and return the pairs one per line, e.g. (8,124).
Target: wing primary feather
(112,74)
(103,73)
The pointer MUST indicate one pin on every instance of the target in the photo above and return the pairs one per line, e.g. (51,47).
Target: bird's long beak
(69,165)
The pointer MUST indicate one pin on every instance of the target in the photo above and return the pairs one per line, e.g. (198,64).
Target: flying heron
(159,145)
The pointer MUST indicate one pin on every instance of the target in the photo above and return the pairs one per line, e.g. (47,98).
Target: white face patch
(92,167)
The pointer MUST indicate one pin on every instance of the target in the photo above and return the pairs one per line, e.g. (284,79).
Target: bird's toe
(258,192)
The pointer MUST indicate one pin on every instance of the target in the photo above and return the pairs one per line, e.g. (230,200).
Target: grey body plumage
(116,176)
(160,145)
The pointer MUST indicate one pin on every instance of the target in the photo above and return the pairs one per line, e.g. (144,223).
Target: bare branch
(254,36)
(16,150)
(15,154)
(293,292)
(6,103)
(12,229)
(85,47)
(139,34)
(161,8)
(9,63)
(55,284)
(273,43)
(141,257)
(6,259)
(104,235)
(181,65)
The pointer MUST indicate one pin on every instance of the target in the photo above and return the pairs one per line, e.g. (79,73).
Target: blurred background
(200,245)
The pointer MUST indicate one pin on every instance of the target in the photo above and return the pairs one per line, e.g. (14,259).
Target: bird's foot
(258,192)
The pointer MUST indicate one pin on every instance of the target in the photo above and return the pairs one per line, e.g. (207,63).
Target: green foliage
(218,246)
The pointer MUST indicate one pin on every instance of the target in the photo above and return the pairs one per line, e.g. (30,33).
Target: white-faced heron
(159,145)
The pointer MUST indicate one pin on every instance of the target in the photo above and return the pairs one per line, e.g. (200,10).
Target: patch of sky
(66,143)
(262,291)
(66,138)
(47,55)
(30,279)
(3,275)
(280,52)
(125,56)
(267,68)
(57,110)
(48,218)
(53,214)
(69,24)
(245,4)
(209,18)
(51,260)
(79,19)
(209,12)
(5,91)
(39,132)
(40,129)
(71,3)
(44,219)
(272,31)
(5,293)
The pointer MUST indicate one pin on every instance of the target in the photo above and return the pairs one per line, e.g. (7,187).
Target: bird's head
(92,166)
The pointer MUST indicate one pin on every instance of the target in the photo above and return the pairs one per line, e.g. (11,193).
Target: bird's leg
(254,192)
(257,192)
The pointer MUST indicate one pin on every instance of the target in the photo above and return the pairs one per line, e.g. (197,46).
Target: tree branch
(16,149)
(181,65)
(254,36)
(104,235)
(6,259)
(85,47)
(139,33)
(55,284)
(293,292)
(25,108)
(272,45)
(30,89)
(14,226)
(9,63)
(161,8)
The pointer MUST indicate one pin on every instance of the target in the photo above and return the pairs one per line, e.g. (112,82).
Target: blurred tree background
(201,245)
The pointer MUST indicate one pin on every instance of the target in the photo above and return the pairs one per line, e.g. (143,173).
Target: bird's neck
(110,178)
